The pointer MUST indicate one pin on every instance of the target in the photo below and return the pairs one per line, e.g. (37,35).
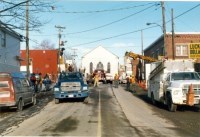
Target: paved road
(110,112)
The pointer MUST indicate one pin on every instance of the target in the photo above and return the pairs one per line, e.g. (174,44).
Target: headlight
(85,88)
(56,89)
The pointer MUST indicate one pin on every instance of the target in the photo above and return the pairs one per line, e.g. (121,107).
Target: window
(181,50)
(91,67)
(108,67)
(100,66)
(3,39)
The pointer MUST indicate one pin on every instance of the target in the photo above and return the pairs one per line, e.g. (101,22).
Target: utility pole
(74,55)
(59,44)
(142,53)
(27,40)
(172,15)
(164,29)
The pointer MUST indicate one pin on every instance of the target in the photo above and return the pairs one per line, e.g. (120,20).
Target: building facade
(41,61)
(100,59)
(9,50)
(186,46)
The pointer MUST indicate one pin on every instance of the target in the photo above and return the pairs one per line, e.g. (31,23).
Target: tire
(153,99)
(20,105)
(57,101)
(34,100)
(171,107)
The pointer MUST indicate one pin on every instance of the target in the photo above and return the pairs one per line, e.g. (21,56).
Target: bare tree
(12,13)
(45,44)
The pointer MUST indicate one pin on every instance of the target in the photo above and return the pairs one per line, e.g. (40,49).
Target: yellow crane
(135,56)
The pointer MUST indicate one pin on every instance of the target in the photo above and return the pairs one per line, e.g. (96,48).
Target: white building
(100,59)
(9,50)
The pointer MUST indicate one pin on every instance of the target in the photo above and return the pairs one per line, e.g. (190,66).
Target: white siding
(97,55)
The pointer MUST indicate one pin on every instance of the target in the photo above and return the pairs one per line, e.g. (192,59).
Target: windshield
(185,76)
(70,76)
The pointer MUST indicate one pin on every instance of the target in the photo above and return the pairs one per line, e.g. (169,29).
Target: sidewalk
(140,114)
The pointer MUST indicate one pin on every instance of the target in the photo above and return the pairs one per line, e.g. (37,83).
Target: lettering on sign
(194,50)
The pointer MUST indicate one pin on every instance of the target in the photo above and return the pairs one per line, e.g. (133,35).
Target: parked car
(70,85)
(109,78)
(15,91)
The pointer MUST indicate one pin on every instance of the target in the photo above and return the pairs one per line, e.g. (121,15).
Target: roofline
(170,33)
(10,31)
(153,42)
(96,48)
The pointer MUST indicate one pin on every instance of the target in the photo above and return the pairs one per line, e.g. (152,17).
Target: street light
(164,33)
(156,25)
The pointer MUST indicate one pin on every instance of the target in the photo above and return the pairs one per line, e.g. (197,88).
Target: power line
(112,37)
(135,30)
(105,10)
(184,12)
(113,21)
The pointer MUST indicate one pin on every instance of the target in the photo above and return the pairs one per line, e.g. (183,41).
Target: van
(15,91)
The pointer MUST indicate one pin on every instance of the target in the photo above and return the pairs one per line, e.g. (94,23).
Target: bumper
(63,95)
(8,104)
(183,100)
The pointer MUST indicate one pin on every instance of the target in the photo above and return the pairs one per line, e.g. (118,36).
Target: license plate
(70,96)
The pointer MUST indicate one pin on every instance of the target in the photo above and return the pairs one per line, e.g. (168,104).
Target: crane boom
(135,56)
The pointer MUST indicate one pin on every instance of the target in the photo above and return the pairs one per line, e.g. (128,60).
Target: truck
(70,85)
(171,81)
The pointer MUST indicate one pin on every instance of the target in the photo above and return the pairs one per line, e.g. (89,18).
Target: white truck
(169,83)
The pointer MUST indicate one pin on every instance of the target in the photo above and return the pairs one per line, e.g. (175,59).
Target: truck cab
(70,85)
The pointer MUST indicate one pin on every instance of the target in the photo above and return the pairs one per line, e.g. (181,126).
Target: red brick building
(41,61)
(186,46)
(183,46)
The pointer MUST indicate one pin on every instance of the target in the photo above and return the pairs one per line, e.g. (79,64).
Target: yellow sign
(194,50)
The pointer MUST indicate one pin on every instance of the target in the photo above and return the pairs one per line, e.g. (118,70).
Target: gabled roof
(97,49)
(10,31)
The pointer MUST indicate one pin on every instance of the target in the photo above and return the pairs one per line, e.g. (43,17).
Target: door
(27,93)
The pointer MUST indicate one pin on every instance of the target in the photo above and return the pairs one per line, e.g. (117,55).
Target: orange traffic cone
(190,96)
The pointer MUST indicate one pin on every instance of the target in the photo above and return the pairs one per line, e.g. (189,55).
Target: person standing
(116,80)
(40,81)
(96,80)
(128,83)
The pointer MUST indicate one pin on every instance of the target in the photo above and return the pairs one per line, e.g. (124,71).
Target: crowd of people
(94,78)
(37,81)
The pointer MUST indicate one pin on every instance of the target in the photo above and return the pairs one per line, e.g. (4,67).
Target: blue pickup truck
(70,85)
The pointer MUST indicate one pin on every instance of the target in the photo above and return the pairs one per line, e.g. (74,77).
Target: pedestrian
(96,80)
(70,68)
(33,79)
(127,83)
(40,81)
(116,81)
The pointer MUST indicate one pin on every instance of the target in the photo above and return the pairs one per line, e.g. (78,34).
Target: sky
(114,25)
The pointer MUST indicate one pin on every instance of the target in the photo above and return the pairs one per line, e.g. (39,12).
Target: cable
(112,22)
(184,12)
(106,10)
(135,30)
(112,37)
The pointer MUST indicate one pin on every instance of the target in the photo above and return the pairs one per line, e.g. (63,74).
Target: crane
(135,56)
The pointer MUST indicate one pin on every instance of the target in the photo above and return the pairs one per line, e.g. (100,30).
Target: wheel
(152,99)
(34,100)
(20,105)
(171,107)
(57,101)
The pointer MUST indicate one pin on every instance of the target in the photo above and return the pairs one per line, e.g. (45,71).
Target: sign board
(194,50)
